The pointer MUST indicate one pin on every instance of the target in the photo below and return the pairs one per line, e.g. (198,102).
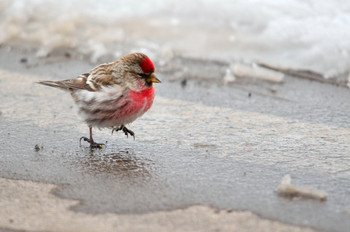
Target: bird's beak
(152,78)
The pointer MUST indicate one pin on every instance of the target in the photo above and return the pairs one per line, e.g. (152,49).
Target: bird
(113,94)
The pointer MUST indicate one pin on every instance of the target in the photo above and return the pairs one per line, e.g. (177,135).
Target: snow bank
(312,34)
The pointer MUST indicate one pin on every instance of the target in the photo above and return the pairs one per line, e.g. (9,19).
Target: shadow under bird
(113,94)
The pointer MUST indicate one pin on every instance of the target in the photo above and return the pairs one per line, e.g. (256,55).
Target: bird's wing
(104,75)
(72,84)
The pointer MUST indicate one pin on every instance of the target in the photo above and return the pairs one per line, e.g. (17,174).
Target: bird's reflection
(122,165)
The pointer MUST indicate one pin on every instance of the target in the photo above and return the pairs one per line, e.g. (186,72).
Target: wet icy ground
(202,143)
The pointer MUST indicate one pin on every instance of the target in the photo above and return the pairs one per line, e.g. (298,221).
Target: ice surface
(312,34)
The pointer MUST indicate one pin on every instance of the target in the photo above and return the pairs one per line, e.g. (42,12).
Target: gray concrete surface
(204,148)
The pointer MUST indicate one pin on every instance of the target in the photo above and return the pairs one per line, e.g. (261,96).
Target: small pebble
(23,60)
(183,83)
(37,148)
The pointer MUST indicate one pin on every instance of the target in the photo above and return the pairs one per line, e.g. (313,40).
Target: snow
(313,34)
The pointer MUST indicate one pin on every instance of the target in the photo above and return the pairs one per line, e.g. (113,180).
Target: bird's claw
(92,143)
(126,131)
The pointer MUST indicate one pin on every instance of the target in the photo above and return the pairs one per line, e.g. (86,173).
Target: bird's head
(140,68)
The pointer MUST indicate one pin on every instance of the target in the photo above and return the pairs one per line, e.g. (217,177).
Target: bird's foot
(92,143)
(126,131)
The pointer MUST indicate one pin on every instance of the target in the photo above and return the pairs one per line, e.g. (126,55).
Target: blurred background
(310,35)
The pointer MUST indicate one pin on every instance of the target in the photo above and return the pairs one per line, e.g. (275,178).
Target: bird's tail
(70,85)
(56,84)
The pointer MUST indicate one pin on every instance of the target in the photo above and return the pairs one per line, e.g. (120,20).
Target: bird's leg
(91,141)
(126,131)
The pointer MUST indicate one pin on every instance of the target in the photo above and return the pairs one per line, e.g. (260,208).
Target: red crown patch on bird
(147,65)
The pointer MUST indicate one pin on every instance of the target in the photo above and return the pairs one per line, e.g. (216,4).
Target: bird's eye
(142,75)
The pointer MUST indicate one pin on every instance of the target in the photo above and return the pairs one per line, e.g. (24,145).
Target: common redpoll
(112,94)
